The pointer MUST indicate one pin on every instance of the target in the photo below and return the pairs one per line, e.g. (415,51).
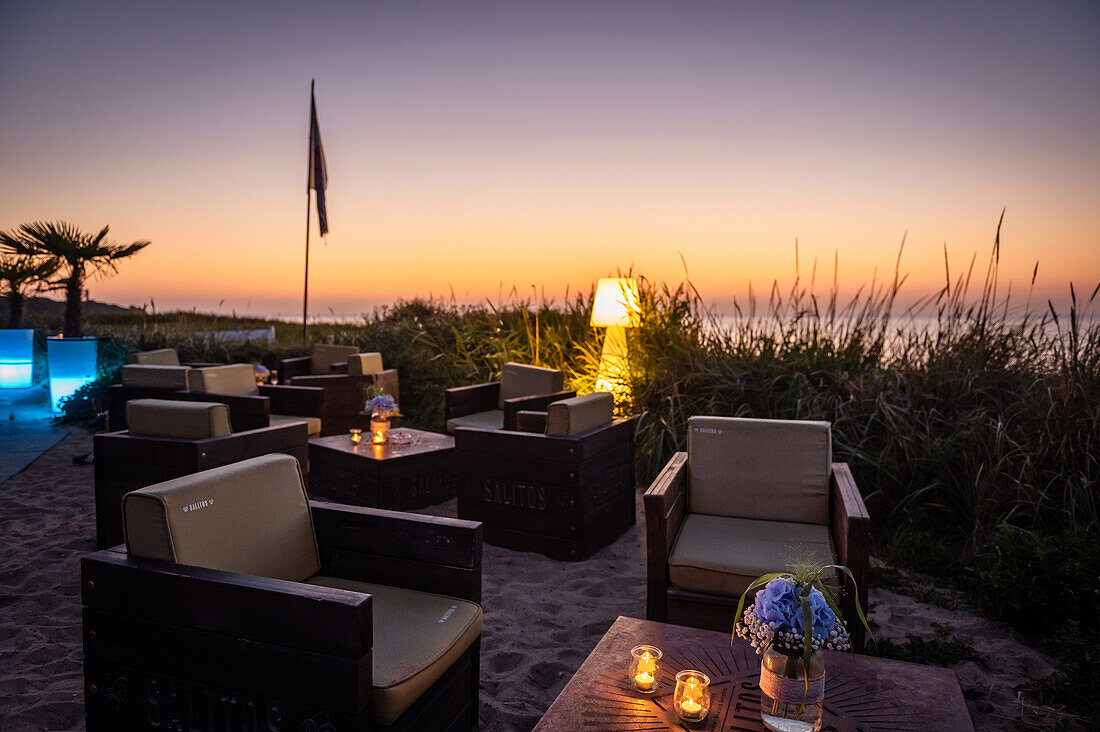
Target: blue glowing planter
(16,359)
(72,364)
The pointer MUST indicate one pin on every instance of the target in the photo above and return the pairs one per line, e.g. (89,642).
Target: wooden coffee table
(862,693)
(397,476)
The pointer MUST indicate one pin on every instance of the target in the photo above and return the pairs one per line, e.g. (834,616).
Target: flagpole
(309,168)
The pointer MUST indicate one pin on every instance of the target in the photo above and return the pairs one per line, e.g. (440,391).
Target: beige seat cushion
(159,357)
(721,556)
(177,420)
(236,379)
(250,517)
(364,363)
(313,424)
(579,414)
(417,637)
(325,355)
(518,380)
(160,377)
(491,420)
(771,469)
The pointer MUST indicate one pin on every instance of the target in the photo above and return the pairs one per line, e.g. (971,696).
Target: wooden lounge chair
(240,604)
(564,488)
(252,405)
(748,496)
(168,439)
(346,393)
(326,358)
(494,405)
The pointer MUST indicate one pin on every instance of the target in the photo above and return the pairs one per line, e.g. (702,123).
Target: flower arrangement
(383,405)
(789,604)
(778,619)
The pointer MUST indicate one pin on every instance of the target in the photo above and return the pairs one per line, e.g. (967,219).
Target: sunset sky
(479,145)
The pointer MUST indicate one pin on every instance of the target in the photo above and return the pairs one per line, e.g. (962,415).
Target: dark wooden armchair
(495,404)
(252,405)
(268,611)
(325,358)
(346,393)
(169,439)
(747,497)
(565,489)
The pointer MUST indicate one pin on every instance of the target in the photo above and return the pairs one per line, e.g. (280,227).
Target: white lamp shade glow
(616,303)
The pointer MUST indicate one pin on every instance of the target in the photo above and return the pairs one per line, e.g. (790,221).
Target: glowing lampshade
(16,358)
(616,303)
(72,363)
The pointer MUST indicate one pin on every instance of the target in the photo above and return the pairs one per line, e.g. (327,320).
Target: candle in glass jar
(644,663)
(356,435)
(692,695)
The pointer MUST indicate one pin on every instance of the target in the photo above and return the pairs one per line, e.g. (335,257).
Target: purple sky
(476,146)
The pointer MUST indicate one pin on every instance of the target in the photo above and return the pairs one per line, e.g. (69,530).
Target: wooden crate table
(395,476)
(862,693)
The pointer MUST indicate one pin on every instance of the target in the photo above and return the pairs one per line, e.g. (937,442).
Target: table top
(422,443)
(862,693)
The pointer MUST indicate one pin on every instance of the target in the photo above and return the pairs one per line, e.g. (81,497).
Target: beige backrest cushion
(364,363)
(250,517)
(771,469)
(237,379)
(325,354)
(579,414)
(518,379)
(162,377)
(177,420)
(159,357)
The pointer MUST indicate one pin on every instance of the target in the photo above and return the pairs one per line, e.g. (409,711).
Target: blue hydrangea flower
(776,602)
(822,617)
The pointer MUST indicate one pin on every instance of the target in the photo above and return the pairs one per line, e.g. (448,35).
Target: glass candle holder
(356,435)
(379,429)
(645,662)
(692,695)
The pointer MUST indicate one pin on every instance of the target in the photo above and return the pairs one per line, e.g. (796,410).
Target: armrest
(665,507)
(850,525)
(291,367)
(530,421)
(535,403)
(338,368)
(463,400)
(292,614)
(298,401)
(245,412)
(200,364)
(417,552)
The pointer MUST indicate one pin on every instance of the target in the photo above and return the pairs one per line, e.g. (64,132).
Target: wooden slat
(122,698)
(460,401)
(309,678)
(850,525)
(665,505)
(429,539)
(246,606)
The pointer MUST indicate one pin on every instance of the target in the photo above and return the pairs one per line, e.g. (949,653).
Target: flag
(318,175)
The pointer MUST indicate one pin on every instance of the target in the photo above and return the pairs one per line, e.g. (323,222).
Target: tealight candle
(692,695)
(356,435)
(644,664)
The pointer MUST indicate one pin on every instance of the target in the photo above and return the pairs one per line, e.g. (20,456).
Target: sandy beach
(542,617)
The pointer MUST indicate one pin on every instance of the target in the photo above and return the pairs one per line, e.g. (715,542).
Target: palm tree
(78,256)
(19,273)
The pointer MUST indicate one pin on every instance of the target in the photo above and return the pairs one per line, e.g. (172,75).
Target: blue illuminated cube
(72,363)
(16,358)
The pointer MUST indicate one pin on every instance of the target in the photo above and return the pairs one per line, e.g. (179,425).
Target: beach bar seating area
(266,562)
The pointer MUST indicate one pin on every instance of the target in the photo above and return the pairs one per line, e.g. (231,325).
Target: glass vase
(379,428)
(790,698)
